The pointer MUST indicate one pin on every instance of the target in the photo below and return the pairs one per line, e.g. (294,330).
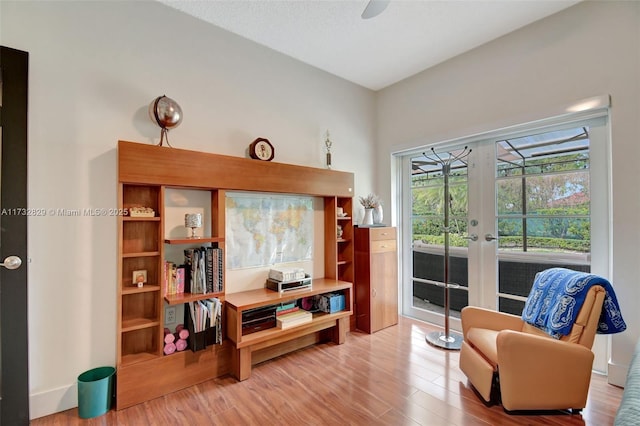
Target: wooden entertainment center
(145,172)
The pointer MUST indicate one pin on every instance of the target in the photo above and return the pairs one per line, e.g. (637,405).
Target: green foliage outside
(515,243)
(557,207)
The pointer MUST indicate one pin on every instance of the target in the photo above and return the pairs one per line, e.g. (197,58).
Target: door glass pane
(543,209)
(428,225)
(509,194)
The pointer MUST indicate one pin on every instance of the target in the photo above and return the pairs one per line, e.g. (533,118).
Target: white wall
(590,49)
(94,68)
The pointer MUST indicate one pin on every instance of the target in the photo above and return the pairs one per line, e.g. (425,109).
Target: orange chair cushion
(484,340)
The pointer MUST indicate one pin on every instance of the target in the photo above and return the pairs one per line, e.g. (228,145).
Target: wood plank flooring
(388,378)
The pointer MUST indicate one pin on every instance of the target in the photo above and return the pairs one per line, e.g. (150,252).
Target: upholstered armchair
(508,360)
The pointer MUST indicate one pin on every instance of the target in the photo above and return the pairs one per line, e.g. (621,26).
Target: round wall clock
(261,149)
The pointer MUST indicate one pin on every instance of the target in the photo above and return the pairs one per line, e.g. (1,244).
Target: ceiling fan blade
(374,8)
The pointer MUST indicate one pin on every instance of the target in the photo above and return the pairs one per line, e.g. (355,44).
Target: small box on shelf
(331,302)
(140,211)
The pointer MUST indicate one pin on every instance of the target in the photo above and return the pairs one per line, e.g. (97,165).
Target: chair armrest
(539,372)
(473,316)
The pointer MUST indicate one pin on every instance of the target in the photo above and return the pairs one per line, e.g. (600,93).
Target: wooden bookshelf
(145,172)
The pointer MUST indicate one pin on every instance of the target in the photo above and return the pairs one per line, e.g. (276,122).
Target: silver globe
(167,114)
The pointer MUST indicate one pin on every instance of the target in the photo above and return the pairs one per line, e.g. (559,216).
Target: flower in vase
(371,201)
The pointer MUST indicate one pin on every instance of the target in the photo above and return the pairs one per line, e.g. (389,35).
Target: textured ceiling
(408,37)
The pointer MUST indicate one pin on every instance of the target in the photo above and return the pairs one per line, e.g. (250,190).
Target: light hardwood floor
(391,377)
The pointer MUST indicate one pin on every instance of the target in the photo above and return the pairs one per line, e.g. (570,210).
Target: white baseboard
(617,374)
(53,401)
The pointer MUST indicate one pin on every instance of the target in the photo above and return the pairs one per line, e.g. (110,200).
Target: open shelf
(176,299)
(323,326)
(278,333)
(140,357)
(138,324)
(131,289)
(142,254)
(141,219)
(194,240)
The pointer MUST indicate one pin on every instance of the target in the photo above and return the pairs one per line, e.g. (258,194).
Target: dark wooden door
(14,377)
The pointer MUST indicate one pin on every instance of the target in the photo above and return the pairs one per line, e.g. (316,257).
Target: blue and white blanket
(557,296)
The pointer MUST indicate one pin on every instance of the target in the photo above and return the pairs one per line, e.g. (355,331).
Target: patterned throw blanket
(557,296)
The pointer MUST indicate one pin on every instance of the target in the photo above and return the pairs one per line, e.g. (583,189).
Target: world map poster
(266,229)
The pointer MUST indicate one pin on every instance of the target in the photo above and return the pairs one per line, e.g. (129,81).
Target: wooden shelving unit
(145,172)
(256,347)
(139,316)
(376,278)
(338,251)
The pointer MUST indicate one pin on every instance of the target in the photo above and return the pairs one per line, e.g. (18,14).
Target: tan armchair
(524,368)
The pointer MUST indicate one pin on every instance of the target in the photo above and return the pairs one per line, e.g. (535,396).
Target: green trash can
(95,392)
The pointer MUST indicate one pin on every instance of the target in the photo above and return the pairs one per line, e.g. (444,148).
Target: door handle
(12,262)
(489,237)
(472,237)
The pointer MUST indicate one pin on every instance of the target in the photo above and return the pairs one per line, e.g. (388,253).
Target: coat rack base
(440,339)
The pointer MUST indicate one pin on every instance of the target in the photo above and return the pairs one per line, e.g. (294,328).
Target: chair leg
(496,397)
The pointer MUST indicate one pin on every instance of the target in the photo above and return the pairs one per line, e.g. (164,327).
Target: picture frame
(139,277)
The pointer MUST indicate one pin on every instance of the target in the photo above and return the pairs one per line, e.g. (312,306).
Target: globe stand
(446,339)
(164,134)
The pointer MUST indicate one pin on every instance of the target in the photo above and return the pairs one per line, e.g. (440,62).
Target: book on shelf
(294,319)
(180,279)
(165,277)
(208,251)
(284,306)
(206,314)
(204,270)
(286,311)
(174,278)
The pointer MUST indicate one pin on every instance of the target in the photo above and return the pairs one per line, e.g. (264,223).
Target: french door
(518,203)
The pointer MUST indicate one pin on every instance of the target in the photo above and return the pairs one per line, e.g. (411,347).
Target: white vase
(368,217)
(377,215)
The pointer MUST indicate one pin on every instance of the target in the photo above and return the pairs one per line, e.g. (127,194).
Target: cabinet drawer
(382,234)
(383,246)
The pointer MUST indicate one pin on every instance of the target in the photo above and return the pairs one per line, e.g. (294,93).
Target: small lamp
(193,221)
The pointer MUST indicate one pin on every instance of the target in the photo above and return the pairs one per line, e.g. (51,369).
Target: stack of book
(204,270)
(290,315)
(174,278)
